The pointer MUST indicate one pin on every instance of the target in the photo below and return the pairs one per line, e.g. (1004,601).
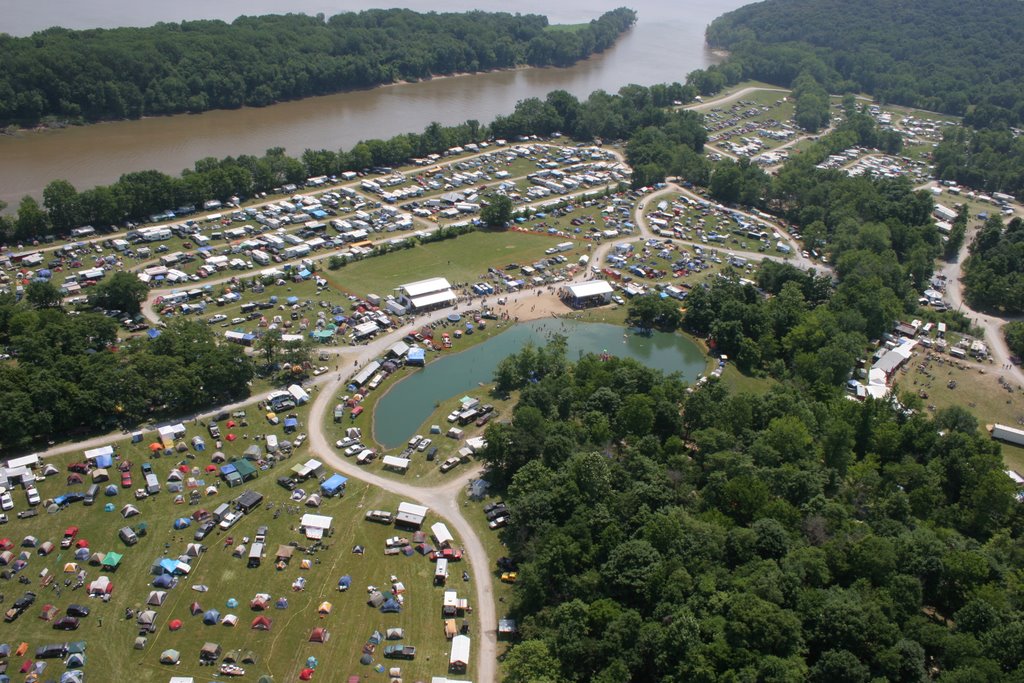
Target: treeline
(137,196)
(195,66)
(664,537)
(994,272)
(72,375)
(943,55)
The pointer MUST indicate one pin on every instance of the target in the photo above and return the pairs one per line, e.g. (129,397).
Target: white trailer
(1009,434)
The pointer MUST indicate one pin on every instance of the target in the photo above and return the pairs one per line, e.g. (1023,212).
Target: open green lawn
(281,651)
(462,259)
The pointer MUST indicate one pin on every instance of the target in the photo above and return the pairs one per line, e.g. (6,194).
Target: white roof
(591,288)
(395,461)
(363,329)
(26,461)
(434,284)
(441,533)
(431,299)
(97,452)
(413,509)
(316,521)
(182,679)
(460,650)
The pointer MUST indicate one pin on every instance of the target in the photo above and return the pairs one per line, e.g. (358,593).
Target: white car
(353,449)
(6,502)
(214,319)
(344,443)
(423,445)
(32,495)
(618,299)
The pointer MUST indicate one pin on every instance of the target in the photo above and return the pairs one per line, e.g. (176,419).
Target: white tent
(441,534)
(129,511)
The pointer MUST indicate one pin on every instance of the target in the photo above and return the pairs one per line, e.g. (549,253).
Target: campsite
(165,530)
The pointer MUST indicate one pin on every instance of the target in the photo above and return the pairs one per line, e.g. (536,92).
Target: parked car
(33,496)
(6,502)
(204,530)
(498,522)
(423,445)
(126,480)
(78,611)
(449,464)
(66,624)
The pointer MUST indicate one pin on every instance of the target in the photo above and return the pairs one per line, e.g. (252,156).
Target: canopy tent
(112,560)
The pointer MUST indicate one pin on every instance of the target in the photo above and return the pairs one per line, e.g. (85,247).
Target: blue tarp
(153,334)
(292,300)
(167,565)
(416,356)
(333,485)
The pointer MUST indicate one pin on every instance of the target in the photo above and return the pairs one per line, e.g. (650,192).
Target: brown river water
(666,43)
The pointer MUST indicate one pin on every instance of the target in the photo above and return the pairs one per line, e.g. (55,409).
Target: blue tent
(292,300)
(111,490)
(105,460)
(166,565)
(82,554)
(211,617)
(334,485)
(232,603)
(416,356)
(390,606)
(152,333)
(281,603)
(109,507)
(344,583)
(291,423)
(182,522)
(163,581)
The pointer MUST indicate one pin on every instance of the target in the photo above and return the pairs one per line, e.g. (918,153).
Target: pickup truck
(449,464)
(229,520)
(396,542)
(381,516)
(19,606)
(400,651)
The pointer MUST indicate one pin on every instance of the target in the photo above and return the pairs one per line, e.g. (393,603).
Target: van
(152,484)
(90,494)
(255,555)
(127,535)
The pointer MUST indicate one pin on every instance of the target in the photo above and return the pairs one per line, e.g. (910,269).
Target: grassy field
(977,389)
(283,650)
(462,259)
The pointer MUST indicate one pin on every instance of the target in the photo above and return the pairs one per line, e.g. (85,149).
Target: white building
(428,294)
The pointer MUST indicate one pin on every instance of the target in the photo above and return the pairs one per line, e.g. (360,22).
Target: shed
(458,660)
(410,516)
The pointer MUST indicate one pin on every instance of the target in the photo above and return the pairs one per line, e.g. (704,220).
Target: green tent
(112,560)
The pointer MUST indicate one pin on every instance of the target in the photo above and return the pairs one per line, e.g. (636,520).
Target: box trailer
(1008,434)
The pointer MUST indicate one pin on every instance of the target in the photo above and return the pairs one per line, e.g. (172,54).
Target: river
(402,410)
(666,43)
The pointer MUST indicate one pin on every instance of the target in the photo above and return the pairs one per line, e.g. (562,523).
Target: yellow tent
(70,568)
(325,608)
(306,564)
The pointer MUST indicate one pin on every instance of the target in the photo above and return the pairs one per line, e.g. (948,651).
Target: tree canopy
(664,536)
(194,66)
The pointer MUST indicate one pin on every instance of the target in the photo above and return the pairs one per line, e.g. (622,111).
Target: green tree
(42,294)
(62,205)
(121,291)
(497,212)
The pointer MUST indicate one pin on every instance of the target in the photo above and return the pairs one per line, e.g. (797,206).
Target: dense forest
(994,272)
(72,374)
(664,536)
(199,65)
(943,55)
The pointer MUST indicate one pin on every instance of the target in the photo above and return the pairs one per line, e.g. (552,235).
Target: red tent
(175,624)
(81,543)
(6,544)
(304,676)
(211,468)
(230,424)
(261,623)
(184,469)
(231,437)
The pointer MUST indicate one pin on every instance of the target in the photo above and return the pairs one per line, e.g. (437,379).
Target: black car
(431,454)
(77,611)
(500,511)
(203,531)
(491,506)
(66,624)
(287,483)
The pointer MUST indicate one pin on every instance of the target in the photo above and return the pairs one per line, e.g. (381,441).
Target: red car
(126,480)
(450,554)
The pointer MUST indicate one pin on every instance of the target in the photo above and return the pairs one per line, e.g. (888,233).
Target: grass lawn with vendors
(462,259)
(281,651)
